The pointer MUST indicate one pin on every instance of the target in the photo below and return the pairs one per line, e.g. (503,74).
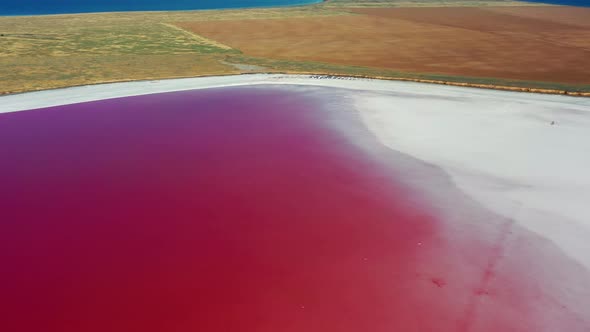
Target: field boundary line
(199,38)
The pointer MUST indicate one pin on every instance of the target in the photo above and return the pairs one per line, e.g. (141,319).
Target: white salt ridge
(526,159)
(64,96)
(499,147)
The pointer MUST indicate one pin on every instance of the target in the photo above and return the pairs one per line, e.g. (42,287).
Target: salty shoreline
(337,77)
(84,93)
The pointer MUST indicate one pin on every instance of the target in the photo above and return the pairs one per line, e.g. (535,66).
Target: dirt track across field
(549,43)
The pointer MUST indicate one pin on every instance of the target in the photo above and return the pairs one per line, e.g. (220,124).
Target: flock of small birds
(332,77)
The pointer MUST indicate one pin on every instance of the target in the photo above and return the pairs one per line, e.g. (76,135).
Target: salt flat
(526,159)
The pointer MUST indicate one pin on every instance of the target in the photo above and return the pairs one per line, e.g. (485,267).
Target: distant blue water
(579,3)
(39,7)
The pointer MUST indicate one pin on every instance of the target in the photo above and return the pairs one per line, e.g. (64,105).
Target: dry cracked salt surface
(505,172)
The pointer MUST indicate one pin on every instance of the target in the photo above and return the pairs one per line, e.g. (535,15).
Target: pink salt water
(237,209)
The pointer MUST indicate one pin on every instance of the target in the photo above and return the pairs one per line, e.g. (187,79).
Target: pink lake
(248,209)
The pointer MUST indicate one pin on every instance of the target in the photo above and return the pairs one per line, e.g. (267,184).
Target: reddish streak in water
(218,210)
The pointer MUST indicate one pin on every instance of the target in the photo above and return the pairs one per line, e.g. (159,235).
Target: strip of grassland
(308,67)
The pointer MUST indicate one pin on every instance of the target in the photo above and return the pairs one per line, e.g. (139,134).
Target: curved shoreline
(84,93)
(324,75)
(461,84)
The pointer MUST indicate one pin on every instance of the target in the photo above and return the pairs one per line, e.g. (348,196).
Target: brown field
(550,44)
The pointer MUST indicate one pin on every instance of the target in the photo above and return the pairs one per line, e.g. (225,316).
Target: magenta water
(243,209)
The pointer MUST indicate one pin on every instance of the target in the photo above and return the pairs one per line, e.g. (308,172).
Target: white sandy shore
(47,98)
(523,157)
(499,147)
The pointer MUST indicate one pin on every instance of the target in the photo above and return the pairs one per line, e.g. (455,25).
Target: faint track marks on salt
(498,253)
